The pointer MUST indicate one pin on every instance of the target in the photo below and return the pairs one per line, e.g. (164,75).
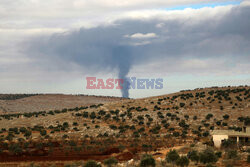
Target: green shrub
(147,161)
(172,156)
(182,161)
(91,163)
(110,161)
(208,156)
(193,156)
(232,154)
(182,104)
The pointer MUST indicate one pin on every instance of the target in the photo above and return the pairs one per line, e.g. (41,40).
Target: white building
(239,137)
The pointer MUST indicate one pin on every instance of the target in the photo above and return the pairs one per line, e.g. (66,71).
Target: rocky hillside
(127,127)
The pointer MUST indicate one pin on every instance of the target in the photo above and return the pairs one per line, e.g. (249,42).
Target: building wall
(217,139)
(248,130)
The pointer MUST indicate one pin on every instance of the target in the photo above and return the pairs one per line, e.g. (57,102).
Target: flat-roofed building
(242,137)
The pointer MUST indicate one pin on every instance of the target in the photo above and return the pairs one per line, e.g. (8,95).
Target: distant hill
(44,102)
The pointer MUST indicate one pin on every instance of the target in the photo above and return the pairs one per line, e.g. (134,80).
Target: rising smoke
(122,57)
(117,48)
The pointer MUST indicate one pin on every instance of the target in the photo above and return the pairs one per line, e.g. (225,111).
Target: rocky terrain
(124,128)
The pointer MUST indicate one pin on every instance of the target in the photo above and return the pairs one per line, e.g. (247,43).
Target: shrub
(182,161)
(209,116)
(228,144)
(218,123)
(43,132)
(75,124)
(226,116)
(182,104)
(147,160)
(232,154)
(172,156)
(176,134)
(15,148)
(205,134)
(65,124)
(193,156)
(97,126)
(208,156)
(110,161)
(218,154)
(91,163)
(92,115)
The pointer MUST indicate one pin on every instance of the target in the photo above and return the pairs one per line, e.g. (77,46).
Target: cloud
(219,34)
(141,36)
(184,41)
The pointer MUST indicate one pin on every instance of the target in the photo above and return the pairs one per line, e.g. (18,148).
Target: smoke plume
(130,42)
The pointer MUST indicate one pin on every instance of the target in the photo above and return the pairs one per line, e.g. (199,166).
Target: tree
(92,115)
(226,116)
(228,144)
(182,104)
(176,134)
(182,161)
(172,156)
(147,161)
(91,163)
(27,134)
(232,154)
(193,156)
(43,132)
(208,156)
(15,148)
(110,161)
(209,116)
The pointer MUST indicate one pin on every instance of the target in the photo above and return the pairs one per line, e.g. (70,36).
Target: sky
(52,46)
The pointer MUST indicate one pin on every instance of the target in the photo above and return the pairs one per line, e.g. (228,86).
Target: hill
(45,102)
(125,128)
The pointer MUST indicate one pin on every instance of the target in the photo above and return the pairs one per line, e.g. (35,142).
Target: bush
(75,124)
(193,156)
(208,156)
(226,116)
(182,104)
(176,134)
(110,161)
(205,134)
(15,149)
(147,160)
(182,161)
(228,144)
(172,156)
(218,154)
(232,154)
(91,163)
(43,132)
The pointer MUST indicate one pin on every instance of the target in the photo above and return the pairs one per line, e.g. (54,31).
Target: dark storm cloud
(116,48)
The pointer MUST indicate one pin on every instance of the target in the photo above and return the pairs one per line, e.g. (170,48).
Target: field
(45,102)
(61,129)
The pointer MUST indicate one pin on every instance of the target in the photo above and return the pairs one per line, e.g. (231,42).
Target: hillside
(123,128)
(45,102)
